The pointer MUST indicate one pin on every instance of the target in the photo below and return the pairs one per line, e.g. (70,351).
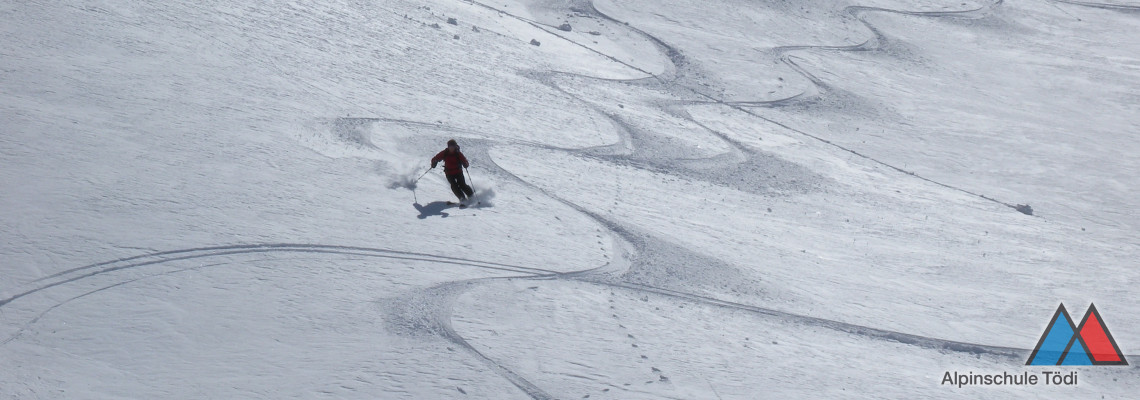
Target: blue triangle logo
(1056,340)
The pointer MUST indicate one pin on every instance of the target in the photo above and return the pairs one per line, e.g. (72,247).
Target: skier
(453,161)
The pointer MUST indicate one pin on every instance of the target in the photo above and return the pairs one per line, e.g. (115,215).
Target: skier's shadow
(433,208)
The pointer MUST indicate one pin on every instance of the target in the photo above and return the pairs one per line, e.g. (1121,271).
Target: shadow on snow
(433,208)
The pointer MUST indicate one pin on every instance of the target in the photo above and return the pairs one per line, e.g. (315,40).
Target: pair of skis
(464,205)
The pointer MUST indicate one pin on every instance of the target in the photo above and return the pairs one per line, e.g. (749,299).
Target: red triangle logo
(1102,347)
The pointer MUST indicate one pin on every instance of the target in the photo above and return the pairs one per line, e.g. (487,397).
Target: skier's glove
(433,165)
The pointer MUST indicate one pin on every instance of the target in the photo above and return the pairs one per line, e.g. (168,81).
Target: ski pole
(414,197)
(421,176)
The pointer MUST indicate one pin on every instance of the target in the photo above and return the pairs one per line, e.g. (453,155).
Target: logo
(1065,343)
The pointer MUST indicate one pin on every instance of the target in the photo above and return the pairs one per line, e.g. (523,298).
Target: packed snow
(675,199)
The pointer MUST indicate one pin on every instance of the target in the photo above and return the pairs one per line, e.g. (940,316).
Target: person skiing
(453,162)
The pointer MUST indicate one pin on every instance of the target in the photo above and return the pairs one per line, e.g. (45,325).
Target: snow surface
(680,199)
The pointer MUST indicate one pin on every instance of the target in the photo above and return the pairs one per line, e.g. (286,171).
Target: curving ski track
(602,276)
(680,67)
(1124,8)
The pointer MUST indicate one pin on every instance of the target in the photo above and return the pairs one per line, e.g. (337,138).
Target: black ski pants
(459,186)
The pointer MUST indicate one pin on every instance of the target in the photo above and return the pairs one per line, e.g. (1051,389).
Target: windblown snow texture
(676,199)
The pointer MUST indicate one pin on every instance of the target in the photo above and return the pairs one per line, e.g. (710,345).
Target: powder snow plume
(405,176)
(483,195)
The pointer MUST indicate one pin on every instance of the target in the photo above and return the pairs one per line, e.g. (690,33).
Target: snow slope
(681,199)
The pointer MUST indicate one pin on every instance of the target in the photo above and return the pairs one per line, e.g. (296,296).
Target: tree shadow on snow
(433,208)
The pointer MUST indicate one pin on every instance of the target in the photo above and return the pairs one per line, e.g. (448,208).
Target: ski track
(605,275)
(601,276)
(1124,8)
(681,68)
(872,44)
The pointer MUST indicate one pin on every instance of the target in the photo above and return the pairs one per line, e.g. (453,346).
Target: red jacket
(453,163)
